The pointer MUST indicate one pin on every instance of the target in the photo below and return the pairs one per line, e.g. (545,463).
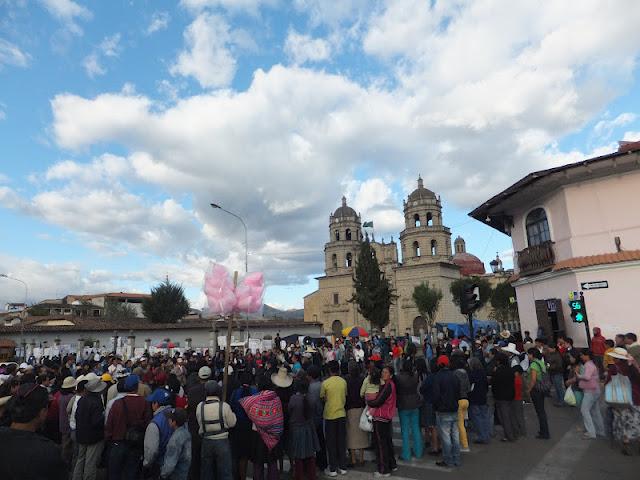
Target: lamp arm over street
(246,237)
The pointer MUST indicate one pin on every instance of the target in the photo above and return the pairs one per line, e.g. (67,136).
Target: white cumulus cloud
(207,57)
(303,48)
(159,21)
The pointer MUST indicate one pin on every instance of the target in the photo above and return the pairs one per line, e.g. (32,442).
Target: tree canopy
(504,309)
(167,303)
(457,289)
(427,300)
(373,293)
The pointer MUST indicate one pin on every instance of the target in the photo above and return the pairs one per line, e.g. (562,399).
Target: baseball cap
(131,383)
(443,361)
(160,396)
(204,373)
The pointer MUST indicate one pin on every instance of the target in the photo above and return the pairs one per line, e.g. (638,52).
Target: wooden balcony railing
(536,259)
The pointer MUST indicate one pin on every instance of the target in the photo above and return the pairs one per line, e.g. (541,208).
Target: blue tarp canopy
(462,329)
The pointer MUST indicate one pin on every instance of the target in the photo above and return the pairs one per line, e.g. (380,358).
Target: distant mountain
(270,312)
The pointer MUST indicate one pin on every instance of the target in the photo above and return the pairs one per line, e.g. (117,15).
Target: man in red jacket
(598,347)
(129,413)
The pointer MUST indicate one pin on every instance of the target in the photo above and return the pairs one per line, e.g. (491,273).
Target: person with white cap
(215,418)
(195,395)
(66,394)
(90,428)
(626,420)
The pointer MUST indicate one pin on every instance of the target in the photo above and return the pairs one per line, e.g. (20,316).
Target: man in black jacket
(446,393)
(503,387)
(90,429)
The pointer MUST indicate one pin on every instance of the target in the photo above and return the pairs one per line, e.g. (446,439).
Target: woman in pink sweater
(589,382)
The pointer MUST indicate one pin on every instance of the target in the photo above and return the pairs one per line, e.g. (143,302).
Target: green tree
(503,309)
(427,300)
(119,311)
(457,289)
(373,293)
(167,303)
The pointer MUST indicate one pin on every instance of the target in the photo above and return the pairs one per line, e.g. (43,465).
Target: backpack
(134,435)
(543,380)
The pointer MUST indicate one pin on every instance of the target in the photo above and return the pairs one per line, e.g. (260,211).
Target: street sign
(594,285)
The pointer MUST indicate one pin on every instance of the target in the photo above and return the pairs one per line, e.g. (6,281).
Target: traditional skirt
(626,423)
(302,441)
(356,438)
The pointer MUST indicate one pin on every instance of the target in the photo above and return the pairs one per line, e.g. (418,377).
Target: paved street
(566,456)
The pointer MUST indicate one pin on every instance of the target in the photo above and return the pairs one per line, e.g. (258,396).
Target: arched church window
(434,247)
(334,260)
(416,249)
(537,227)
(429,219)
(416,220)
(337,235)
(347,234)
(349,259)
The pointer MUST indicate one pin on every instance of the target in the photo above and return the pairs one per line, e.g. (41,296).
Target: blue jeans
(450,437)
(216,459)
(558,386)
(481,420)
(591,414)
(410,427)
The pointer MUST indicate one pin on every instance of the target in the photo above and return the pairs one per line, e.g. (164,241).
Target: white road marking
(561,460)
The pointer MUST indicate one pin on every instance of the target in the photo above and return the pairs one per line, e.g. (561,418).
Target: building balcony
(536,259)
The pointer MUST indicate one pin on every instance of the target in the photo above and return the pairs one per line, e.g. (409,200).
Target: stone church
(425,245)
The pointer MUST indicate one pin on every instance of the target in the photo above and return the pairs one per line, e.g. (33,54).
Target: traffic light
(578,312)
(470,298)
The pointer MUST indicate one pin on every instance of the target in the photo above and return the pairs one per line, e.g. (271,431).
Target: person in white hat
(626,421)
(89,428)
(65,396)
(196,394)
(282,379)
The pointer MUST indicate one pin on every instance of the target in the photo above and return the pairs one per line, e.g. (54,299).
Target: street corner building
(426,256)
(574,228)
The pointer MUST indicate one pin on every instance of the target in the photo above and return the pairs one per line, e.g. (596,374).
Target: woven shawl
(265,411)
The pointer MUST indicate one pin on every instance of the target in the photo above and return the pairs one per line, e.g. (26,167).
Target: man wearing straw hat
(90,428)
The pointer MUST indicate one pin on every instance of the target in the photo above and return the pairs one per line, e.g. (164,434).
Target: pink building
(571,225)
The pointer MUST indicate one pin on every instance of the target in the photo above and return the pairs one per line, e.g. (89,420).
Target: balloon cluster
(224,299)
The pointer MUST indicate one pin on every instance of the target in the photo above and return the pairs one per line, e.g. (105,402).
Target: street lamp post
(26,295)
(244,225)
(246,248)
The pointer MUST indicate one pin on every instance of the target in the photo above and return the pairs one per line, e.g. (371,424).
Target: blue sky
(120,121)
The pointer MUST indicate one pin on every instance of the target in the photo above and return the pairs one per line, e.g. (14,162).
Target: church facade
(425,246)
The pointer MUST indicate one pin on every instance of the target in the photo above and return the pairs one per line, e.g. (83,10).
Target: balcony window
(348,260)
(537,227)
(336,299)
(416,249)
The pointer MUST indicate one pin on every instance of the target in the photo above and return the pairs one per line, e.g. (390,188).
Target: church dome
(344,210)
(469,264)
(421,193)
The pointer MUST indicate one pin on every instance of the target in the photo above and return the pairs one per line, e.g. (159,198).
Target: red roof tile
(603,259)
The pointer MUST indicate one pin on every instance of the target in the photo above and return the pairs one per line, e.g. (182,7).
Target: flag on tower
(367,224)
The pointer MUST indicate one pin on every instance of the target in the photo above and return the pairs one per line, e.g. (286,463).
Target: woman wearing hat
(66,394)
(626,421)
(283,381)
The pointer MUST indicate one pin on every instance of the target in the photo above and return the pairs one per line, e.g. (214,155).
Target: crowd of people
(314,407)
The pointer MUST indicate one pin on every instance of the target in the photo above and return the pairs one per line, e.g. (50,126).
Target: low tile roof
(602,259)
(83,324)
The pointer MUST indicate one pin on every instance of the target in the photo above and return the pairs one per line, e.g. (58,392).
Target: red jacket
(598,346)
(138,414)
(383,407)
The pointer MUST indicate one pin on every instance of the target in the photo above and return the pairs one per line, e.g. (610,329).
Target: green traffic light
(579,317)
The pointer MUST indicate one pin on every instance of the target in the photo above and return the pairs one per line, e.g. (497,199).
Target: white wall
(611,309)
